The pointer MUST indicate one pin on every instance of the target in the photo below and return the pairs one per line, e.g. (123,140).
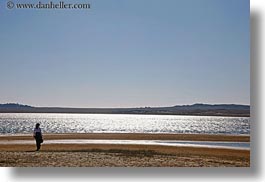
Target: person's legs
(38,145)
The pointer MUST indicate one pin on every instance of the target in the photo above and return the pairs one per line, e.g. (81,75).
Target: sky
(126,53)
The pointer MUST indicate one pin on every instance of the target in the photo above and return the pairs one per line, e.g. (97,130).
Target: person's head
(37,125)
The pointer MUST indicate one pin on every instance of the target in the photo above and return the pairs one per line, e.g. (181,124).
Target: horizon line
(71,107)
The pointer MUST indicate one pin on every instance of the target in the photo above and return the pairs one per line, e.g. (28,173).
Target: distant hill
(13,105)
(195,109)
(215,106)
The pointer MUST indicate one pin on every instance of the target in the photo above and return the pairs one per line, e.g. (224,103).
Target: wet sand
(115,155)
(135,136)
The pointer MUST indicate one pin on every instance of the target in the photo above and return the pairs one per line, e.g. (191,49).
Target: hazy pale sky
(126,53)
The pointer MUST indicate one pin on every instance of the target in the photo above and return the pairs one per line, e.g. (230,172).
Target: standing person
(38,136)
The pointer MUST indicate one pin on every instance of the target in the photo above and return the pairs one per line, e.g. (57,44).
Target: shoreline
(122,155)
(132,136)
(149,114)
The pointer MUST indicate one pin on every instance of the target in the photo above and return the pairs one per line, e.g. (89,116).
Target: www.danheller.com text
(48,5)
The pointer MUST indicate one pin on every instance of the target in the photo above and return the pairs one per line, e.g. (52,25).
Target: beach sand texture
(122,155)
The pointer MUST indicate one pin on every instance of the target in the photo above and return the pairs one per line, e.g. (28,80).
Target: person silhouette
(37,134)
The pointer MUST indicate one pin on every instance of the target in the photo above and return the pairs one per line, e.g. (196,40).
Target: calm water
(208,144)
(87,123)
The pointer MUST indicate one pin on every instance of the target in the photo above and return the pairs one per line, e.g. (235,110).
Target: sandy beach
(121,155)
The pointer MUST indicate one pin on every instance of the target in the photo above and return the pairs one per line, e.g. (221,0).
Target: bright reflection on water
(87,123)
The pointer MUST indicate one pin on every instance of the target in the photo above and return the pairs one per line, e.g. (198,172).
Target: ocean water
(23,123)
